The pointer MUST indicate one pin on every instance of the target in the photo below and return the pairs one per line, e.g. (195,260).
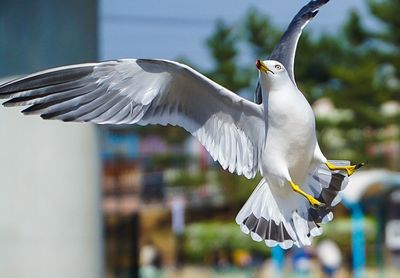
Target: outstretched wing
(147,92)
(285,50)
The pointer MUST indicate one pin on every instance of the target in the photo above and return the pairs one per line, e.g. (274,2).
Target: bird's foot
(314,202)
(349,169)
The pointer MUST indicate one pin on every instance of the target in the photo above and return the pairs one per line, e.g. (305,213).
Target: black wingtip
(314,13)
(359,165)
(323,2)
(71,119)
(8,103)
(29,110)
(45,116)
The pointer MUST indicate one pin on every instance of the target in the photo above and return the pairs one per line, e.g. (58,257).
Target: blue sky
(172,28)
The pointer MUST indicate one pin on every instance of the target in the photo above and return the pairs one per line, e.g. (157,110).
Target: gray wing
(147,92)
(285,50)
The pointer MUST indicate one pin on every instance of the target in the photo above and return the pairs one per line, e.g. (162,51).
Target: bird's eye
(278,67)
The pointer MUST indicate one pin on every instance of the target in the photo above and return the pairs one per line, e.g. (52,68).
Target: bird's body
(288,118)
(290,155)
(275,136)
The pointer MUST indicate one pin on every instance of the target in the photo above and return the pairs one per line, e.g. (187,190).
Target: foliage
(354,31)
(169,160)
(172,134)
(203,238)
(387,11)
(206,237)
(236,188)
(260,33)
(188,179)
(341,230)
(223,47)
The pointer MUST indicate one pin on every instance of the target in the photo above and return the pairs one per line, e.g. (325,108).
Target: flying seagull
(275,137)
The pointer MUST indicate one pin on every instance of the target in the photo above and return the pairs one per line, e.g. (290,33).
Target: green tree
(260,34)
(387,12)
(354,31)
(224,50)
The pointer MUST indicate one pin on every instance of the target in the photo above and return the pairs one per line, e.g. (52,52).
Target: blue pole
(278,259)
(358,240)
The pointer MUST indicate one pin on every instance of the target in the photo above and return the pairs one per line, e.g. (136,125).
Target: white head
(272,75)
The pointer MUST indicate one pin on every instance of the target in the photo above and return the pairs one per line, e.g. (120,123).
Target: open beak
(261,66)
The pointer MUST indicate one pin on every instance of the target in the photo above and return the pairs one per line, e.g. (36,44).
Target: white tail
(287,219)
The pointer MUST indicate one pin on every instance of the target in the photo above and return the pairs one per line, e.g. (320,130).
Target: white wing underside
(148,92)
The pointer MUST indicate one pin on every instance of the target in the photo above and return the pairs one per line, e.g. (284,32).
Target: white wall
(50,223)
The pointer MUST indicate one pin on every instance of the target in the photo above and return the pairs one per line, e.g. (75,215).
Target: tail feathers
(271,218)
(279,216)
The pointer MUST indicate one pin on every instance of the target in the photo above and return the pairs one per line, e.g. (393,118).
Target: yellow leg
(310,198)
(349,169)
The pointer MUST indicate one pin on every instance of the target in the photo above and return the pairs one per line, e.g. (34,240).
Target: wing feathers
(147,92)
(33,96)
(66,103)
(46,78)
(285,50)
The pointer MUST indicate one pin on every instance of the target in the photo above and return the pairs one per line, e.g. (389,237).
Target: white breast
(291,137)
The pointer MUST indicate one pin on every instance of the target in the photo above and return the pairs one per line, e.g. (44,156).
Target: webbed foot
(349,169)
(314,202)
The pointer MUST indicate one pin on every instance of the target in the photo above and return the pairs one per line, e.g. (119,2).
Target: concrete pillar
(50,221)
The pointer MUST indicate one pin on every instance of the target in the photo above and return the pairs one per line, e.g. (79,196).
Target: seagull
(274,136)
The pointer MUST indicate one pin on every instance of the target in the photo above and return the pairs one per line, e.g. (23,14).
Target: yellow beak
(261,66)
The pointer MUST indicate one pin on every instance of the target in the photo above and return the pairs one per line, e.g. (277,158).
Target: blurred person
(150,261)
(222,259)
(329,256)
(301,259)
(242,258)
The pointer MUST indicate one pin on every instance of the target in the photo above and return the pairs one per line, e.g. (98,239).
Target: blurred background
(79,200)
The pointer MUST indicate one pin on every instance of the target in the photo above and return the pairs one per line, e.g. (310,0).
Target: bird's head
(272,74)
